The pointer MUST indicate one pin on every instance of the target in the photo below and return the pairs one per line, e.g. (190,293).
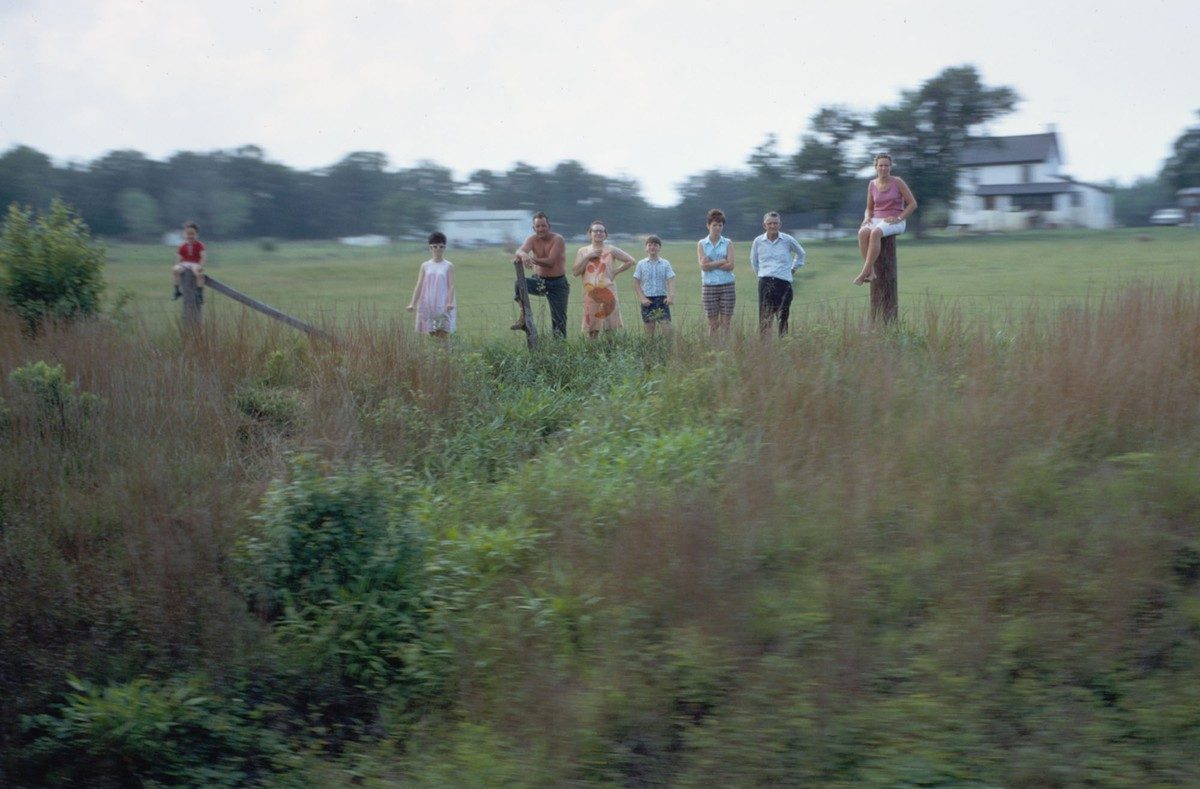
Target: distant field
(327,282)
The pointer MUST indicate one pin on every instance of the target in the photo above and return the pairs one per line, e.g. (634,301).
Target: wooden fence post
(885,288)
(523,293)
(191,300)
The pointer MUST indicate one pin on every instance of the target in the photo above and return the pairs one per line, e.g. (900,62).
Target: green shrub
(49,399)
(268,405)
(52,268)
(144,732)
(338,564)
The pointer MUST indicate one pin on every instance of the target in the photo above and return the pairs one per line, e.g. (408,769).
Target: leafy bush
(51,267)
(53,403)
(339,564)
(269,405)
(143,732)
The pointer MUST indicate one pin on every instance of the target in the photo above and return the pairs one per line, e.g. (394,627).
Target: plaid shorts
(718,299)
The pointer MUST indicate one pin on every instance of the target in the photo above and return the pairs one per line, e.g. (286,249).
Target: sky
(653,90)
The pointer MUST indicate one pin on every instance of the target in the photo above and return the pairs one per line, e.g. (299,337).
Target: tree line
(241,193)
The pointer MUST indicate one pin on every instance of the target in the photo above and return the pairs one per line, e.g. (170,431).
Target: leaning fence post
(885,288)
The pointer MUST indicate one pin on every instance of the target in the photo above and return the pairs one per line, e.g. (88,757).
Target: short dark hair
(192,225)
(653,239)
(595,222)
(540,215)
(714,215)
(884,155)
(437,237)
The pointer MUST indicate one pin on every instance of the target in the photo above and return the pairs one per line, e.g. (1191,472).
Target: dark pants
(774,298)
(557,291)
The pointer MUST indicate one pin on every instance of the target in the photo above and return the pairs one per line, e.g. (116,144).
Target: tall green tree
(926,131)
(27,176)
(1182,169)
(139,213)
(825,168)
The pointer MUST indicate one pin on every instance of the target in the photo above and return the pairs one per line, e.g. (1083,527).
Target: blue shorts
(658,311)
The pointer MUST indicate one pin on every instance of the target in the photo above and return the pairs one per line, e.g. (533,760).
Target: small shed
(486,228)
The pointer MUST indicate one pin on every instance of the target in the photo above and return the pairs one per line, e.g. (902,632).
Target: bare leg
(714,323)
(864,238)
(868,271)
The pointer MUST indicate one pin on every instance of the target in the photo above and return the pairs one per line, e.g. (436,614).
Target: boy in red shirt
(191,258)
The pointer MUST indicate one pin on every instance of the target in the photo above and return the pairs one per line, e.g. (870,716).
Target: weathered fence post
(523,293)
(885,288)
(191,301)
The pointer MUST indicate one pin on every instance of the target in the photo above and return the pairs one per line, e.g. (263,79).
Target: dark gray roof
(1016,149)
(1025,189)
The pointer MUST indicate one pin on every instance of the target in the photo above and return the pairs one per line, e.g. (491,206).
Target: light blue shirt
(653,275)
(776,258)
(717,251)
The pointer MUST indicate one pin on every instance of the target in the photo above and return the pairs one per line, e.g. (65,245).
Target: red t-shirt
(189,251)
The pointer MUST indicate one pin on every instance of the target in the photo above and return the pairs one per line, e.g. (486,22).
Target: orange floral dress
(601,310)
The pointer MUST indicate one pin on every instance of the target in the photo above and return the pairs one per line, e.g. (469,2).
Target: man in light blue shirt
(774,256)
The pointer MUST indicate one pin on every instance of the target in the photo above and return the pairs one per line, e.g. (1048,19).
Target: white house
(486,228)
(1011,183)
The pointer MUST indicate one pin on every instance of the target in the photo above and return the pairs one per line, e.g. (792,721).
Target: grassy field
(931,555)
(331,284)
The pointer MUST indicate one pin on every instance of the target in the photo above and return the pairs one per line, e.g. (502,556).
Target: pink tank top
(889,202)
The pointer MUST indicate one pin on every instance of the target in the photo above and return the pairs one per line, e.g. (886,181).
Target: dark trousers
(557,291)
(774,298)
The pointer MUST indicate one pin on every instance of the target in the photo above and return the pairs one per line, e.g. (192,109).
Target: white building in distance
(1013,183)
(487,228)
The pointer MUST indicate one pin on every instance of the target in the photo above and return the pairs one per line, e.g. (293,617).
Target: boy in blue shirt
(654,283)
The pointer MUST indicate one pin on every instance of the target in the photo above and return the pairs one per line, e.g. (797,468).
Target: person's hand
(449,308)
(669,300)
(645,301)
(892,220)
(409,308)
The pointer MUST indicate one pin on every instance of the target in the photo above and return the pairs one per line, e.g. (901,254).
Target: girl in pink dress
(433,297)
(601,310)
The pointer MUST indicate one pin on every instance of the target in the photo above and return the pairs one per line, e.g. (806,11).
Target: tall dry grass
(985,529)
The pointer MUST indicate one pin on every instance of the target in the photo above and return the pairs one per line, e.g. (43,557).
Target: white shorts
(893,229)
(194,267)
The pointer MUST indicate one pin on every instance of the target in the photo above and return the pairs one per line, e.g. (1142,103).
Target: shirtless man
(546,252)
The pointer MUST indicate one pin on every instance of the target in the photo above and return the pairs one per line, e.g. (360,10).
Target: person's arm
(910,202)
(204,254)
(798,260)
(449,288)
(524,253)
(581,258)
(623,256)
(705,263)
(754,255)
(870,205)
(670,287)
(637,289)
(412,303)
(727,265)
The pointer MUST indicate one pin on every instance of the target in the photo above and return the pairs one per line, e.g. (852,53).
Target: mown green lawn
(327,282)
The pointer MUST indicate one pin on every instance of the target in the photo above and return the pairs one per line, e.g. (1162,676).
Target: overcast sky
(654,90)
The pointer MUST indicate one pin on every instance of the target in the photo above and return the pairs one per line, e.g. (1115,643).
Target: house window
(1076,199)
(1033,202)
(1026,173)
(989,203)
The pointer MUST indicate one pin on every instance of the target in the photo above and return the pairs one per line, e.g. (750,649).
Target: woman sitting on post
(889,203)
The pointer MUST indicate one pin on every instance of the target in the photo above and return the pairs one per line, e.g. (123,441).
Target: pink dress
(601,310)
(432,314)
